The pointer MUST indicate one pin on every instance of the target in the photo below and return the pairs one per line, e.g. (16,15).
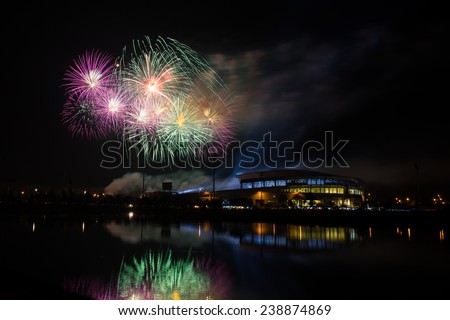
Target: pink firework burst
(91,74)
(146,114)
(111,107)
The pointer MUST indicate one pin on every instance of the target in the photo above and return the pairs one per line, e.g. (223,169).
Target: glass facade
(304,190)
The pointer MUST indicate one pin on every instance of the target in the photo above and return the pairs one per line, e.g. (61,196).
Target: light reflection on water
(268,235)
(257,260)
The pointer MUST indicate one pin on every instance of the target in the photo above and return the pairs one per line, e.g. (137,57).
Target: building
(295,189)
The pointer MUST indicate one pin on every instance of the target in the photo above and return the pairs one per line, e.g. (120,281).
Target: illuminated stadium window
(305,190)
(319,181)
(269,183)
(333,190)
(281,183)
(257,184)
(340,190)
(246,185)
(326,190)
(354,191)
(315,190)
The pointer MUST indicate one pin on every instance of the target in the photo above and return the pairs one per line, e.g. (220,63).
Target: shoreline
(169,214)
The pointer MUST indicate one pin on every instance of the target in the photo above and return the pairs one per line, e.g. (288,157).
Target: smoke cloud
(132,183)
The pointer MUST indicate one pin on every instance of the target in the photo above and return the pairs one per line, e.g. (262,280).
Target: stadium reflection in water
(299,237)
(118,259)
(268,235)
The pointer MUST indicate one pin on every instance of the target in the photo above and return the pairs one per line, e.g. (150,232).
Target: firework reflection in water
(158,276)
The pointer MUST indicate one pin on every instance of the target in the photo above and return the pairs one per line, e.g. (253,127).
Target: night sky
(373,74)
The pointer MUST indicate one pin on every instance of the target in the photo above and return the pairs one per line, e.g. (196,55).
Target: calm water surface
(50,257)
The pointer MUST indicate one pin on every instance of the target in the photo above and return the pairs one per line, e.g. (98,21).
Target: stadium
(294,189)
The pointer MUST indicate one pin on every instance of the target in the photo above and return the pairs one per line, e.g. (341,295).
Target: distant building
(295,189)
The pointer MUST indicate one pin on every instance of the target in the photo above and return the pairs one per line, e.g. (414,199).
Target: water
(71,257)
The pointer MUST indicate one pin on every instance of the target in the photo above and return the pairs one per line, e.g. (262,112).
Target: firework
(91,74)
(217,114)
(153,74)
(183,131)
(145,114)
(111,107)
(162,97)
(81,119)
(198,69)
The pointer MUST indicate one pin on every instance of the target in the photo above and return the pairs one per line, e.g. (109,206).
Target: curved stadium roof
(288,173)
